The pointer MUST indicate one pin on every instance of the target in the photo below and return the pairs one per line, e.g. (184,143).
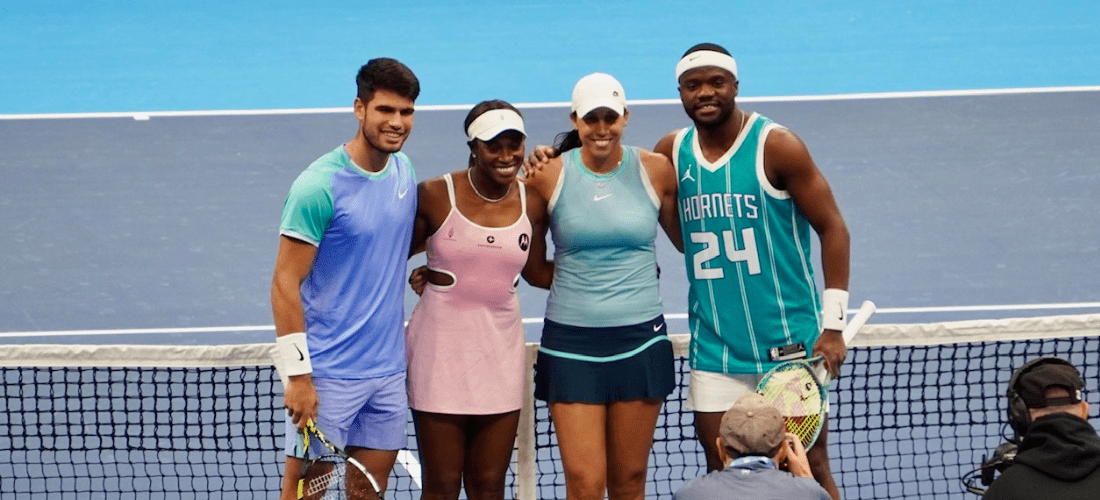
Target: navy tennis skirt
(578,364)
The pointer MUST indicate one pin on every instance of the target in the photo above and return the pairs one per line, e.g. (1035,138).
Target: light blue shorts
(370,413)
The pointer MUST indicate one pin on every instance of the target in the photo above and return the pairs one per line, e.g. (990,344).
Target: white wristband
(834,309)
(294,352)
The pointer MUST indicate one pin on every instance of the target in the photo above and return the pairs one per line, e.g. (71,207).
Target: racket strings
(794,389)
(325,479)
(334,477)
(806,428)
(330,481)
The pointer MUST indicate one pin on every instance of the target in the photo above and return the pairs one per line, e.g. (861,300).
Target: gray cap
(753,426)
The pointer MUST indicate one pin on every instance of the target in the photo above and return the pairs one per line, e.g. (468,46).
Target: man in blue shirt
(337,294)
(762,461)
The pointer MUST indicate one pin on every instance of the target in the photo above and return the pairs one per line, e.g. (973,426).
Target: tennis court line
(673,316)
(147,115)
(408,461)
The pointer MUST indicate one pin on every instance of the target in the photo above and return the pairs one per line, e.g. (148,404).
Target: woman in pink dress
(482,228)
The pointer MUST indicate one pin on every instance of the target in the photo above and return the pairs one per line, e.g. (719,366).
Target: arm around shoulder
(664,145)
(547,180)
(662,176)
(432,207)
(539,270)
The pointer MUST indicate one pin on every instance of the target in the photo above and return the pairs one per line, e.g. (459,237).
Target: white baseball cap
(491,123)
(598,90)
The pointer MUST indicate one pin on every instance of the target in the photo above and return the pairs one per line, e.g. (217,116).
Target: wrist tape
(834,309)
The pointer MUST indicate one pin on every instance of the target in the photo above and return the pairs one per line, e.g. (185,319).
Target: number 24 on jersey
(712,249)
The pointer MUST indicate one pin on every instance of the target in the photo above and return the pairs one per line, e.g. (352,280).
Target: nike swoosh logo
(692,58)
(402,194)
(657,328)
(301,357)
(598,198)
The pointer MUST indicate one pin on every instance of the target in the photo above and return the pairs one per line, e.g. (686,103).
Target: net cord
(183,356)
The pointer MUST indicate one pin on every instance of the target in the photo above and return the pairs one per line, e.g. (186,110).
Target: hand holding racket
(793,458)
(800,393)
(866,310)
(333,475)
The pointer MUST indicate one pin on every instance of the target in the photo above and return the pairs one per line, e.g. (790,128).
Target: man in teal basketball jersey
(749,193)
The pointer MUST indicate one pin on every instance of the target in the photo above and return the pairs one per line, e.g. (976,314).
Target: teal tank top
(747,252)
(603,228)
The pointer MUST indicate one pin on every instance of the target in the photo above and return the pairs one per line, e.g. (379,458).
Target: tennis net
(917,408)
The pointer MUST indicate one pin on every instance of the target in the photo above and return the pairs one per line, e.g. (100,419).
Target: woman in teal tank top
(605,362)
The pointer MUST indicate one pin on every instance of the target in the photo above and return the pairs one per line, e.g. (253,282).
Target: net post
(526,470)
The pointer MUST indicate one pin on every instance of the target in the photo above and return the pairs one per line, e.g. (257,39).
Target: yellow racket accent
(795,390)
(334,475)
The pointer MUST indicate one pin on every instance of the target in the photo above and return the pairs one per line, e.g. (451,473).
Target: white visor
(491,123)
(701,58)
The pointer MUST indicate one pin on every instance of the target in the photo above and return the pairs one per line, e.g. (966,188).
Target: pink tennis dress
(465,341)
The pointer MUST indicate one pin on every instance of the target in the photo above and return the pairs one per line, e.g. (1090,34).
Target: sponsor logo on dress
(490,242)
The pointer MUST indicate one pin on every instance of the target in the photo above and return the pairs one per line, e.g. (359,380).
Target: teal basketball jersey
(747,252)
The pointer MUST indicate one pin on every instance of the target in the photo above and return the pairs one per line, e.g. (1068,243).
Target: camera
(1003,457)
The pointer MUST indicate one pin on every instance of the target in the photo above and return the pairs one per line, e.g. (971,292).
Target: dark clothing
(599,365)
(1058,459)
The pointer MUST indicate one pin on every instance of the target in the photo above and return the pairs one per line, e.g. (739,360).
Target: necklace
(470,176)
(606,173)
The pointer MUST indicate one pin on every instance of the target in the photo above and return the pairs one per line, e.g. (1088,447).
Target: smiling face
(385,121)
(601,132)
(708,94)
(499,158)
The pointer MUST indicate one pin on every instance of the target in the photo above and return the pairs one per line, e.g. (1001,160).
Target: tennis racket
(333,475)
(800,392)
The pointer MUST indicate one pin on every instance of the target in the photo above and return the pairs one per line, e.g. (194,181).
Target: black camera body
(1003,457)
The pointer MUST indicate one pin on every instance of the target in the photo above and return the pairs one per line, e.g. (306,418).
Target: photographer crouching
(763,461)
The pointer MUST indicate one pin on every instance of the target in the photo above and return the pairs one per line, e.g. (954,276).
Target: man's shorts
(370,413)
(716,392)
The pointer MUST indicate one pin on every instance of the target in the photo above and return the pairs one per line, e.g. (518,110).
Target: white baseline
(146,115)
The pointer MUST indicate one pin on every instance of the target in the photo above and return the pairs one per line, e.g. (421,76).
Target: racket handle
(857,322)
(850,331)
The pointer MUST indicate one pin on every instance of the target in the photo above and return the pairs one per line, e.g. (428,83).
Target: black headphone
(1018,415)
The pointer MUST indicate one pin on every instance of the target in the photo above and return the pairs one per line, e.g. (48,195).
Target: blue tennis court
(961,206)
(170,224)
